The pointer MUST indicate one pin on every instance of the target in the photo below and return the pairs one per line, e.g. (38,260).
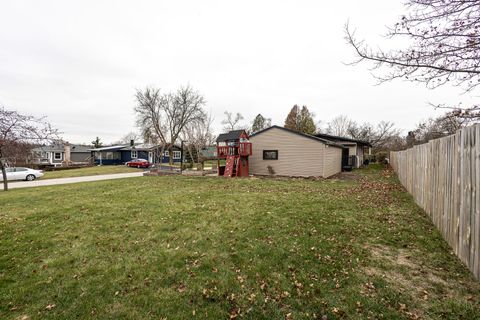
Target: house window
(270,154)
(166,154)
(57,155)
(133,154)
(177,154)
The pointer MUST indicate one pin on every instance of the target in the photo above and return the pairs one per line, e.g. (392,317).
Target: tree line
(441,47)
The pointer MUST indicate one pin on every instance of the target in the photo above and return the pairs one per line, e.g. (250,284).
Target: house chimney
(66,152)
(132,143)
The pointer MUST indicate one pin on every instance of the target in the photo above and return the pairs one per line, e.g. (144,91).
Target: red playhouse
(235,148)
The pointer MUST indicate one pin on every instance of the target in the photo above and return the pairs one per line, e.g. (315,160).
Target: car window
(20,169)
(9,169)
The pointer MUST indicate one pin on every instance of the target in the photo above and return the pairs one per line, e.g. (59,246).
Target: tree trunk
(170,156)
(190,152)
(4,174)
(160,157)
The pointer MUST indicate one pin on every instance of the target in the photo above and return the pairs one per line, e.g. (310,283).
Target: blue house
(120,154)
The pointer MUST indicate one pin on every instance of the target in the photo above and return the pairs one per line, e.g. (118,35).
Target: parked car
(138,163)
(20,173)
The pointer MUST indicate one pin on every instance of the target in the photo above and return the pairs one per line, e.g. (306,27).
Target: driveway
(52,182)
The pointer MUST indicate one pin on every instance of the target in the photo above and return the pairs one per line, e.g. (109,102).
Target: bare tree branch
(444,45)
(20,132)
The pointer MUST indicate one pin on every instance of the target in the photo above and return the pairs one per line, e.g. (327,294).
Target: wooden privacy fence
(443,176)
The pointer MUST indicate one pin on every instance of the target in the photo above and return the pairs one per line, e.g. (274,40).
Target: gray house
(58,153)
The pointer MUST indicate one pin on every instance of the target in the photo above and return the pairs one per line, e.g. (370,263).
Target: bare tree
(126,139)
(433,128)
(232,122)
(379,136)
(163,117)
(382,136)
(443,46)
(18,131)
(199,135)
(260,123)
(339,126)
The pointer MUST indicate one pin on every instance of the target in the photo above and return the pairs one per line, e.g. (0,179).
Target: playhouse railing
(243,149)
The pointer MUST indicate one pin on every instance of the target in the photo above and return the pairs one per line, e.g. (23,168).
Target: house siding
(79,156)
(360,155)
(332,161)
(297,155)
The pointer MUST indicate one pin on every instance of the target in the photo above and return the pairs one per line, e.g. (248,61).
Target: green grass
(177,247)
(89,171)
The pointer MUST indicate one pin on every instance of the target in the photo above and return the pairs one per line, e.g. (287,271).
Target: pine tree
(291,122)
(260,123)
(96,143)
(306,123)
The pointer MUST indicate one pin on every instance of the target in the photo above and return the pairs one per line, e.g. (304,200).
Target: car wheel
(30,177)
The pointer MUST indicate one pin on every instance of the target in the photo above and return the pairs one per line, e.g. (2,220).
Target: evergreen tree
(306,123)
(300,120)
(291,122)
(260,123)
(96,143)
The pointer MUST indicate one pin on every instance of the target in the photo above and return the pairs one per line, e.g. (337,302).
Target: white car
(19,173)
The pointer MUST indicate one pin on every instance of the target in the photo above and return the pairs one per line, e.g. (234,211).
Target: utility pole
(181,156)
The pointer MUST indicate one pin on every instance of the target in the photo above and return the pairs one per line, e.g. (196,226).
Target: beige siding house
(359,150)
(283,152)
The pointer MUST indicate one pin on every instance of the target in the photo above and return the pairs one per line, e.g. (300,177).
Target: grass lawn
(89,171)
(177,247)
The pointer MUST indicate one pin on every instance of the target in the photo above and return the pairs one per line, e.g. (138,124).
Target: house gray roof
(127,147)
(109,148)
(59,147)
(79,148)
(232,135)
(325,141)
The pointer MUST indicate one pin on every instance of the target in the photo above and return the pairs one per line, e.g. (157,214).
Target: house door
(344,157)
(150,157)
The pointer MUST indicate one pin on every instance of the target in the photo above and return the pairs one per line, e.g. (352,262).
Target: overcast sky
(79,62)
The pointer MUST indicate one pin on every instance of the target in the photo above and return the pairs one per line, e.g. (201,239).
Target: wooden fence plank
(443,177)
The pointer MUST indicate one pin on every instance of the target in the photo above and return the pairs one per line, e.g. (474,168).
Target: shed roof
(232,135)
(337,138)
(325,141)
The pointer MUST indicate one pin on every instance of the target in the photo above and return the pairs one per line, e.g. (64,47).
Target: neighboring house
(208,153)
(121,154)
(284,152)
(357,149)
(58,153)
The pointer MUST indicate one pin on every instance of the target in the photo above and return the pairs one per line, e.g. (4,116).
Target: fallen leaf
(50,306)
(181,288)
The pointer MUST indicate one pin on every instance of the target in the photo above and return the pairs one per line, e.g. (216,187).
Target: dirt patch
(345,175)
(415,276)
(402,271)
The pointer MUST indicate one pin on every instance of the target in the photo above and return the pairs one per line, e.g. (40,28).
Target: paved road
(52,182)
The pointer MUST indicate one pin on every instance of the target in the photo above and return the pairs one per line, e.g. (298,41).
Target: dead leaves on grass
(410,277)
